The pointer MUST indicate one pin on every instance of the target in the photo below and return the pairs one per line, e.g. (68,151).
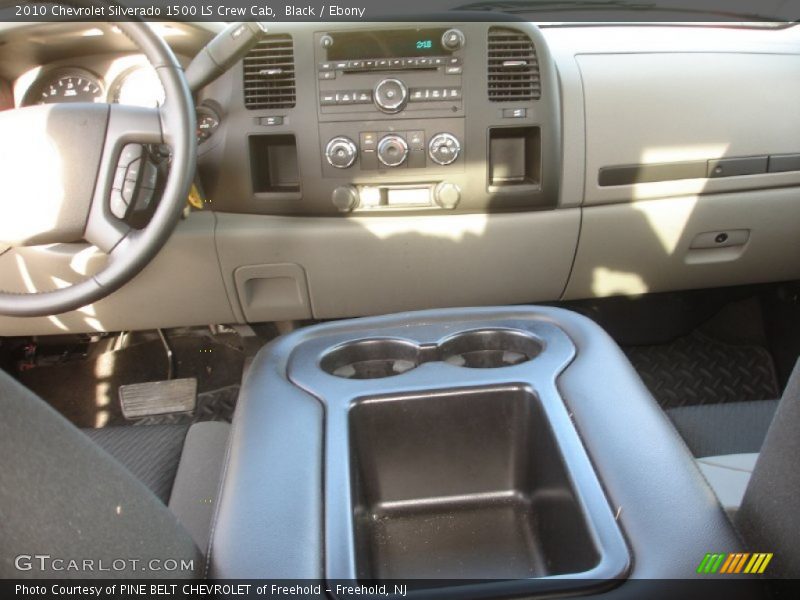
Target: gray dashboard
(273,243)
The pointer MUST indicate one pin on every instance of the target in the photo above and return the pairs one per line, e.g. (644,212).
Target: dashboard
(350,169)
(387,119)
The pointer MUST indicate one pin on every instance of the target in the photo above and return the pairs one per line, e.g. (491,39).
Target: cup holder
(371,359)
(385,357)
(490,348)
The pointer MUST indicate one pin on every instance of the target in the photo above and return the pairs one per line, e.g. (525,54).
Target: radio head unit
(397,43)
(378,73)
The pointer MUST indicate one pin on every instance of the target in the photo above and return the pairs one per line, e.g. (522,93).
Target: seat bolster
(196,487)
(728,475)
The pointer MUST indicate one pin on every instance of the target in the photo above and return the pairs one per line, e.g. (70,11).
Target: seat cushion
(730,428)
(150,452)
(728,476)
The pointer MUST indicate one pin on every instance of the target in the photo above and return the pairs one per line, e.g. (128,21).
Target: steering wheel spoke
(123,170)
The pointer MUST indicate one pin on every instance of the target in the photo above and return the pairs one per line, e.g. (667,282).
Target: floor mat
(216,405)
(86,391)
(698,369)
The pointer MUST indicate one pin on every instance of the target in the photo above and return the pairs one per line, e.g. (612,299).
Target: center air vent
(513,66)
(269,74)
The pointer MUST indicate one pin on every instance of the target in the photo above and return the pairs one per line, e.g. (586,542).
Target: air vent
(513,66)
(269,74)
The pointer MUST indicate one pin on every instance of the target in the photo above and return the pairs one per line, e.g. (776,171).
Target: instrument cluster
(137,85)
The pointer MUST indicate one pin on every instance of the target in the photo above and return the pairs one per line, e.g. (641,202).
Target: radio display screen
(399,43)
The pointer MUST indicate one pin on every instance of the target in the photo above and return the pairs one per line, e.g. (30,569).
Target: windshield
(747,13)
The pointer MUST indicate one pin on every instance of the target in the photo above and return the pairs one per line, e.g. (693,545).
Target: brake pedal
(158,397)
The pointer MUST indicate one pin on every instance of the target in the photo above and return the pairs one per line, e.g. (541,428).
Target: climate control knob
(341,152)
(390,95)
(392,150)
(444,148)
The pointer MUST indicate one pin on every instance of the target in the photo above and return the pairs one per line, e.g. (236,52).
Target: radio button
(383,63)
(439,61)
(396,62)
(341,65)
(355,64)
(325,66)
(327,74)
(417,95)
(425,62)
(327,99)
(453,70)
(369,64)
(363,97)
(391,95)
(454,60)
(453,39)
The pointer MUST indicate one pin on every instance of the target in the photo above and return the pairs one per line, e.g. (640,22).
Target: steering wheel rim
(129,250)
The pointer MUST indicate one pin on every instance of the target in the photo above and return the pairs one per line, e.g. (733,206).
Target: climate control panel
(378,152)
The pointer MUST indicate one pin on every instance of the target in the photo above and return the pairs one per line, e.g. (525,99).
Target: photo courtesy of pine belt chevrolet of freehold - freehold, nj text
(434,299)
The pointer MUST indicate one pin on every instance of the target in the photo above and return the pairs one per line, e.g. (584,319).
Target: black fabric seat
(104,493)
(150,452)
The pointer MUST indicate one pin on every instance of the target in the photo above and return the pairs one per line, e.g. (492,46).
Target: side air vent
(513,66)
(269,74)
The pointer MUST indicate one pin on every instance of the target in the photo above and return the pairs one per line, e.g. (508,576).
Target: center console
(382,118)
(450,456)
(472,453)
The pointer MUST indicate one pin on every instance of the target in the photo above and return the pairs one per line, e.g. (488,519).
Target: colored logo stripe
(758,563)
(735,562)
(710,563)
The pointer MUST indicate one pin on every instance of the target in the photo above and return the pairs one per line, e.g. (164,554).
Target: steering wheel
(77,147)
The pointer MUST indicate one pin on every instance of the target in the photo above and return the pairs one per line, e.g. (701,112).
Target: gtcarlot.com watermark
(48,563)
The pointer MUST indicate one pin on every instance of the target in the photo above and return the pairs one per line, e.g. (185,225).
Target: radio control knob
(444,148)
(447,195)
(390,95)
(345,198)
(341,152)
(326,41)
(453,39)
(392,150)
